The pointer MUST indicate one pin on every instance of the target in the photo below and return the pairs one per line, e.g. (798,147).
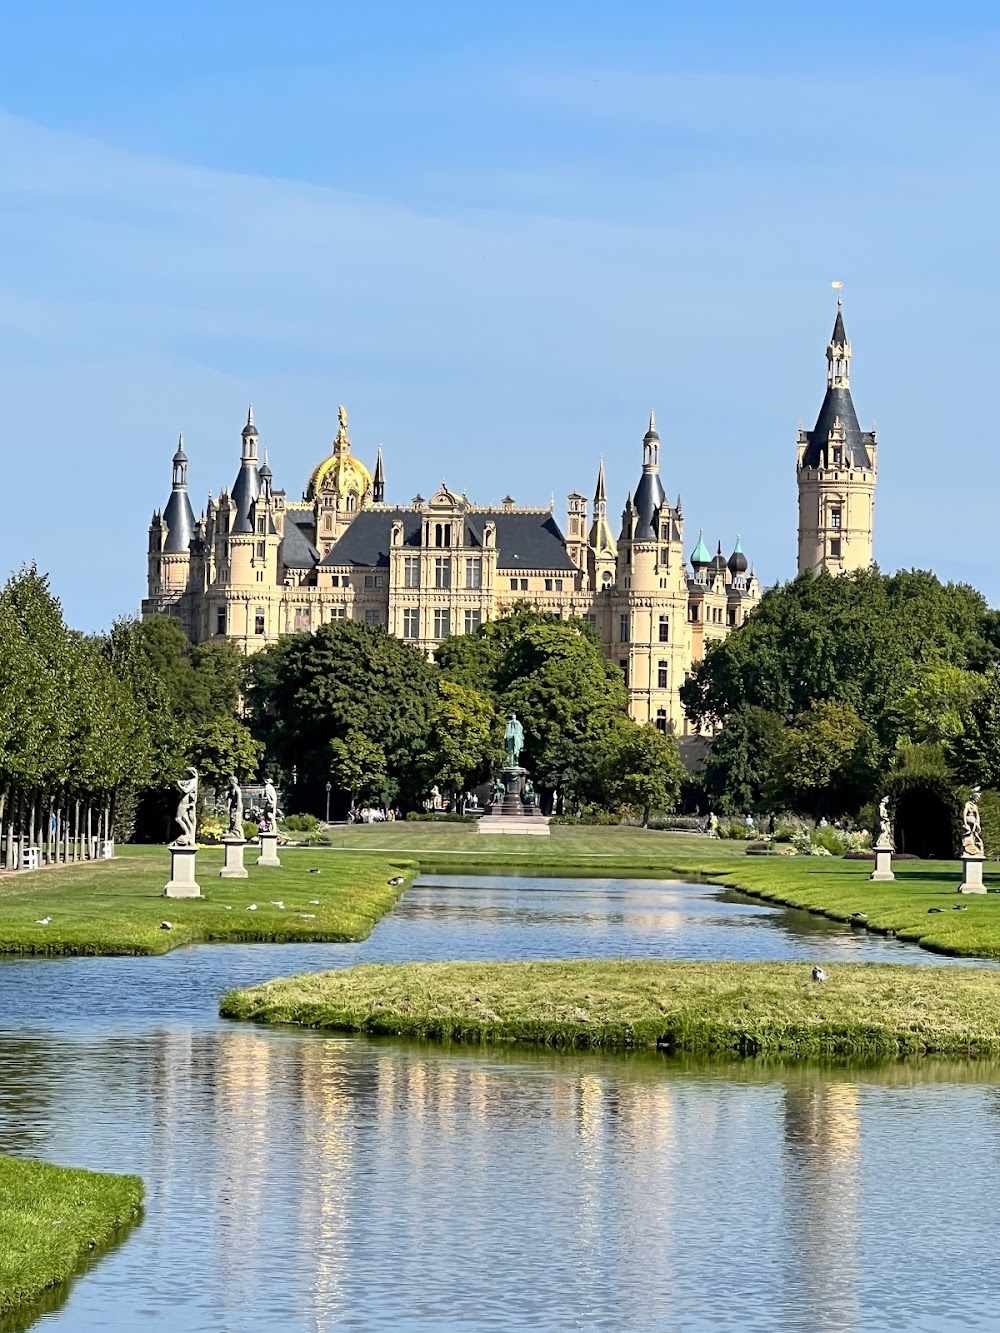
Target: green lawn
(116,907)
(865,1010)
(52,1218)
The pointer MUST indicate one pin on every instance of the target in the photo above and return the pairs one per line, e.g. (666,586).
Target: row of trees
(93,726)
(836,684)
(367,712)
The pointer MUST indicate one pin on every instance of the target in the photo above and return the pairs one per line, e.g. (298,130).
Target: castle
(257,565)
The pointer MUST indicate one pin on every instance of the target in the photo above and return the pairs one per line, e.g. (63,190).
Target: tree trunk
(89,834)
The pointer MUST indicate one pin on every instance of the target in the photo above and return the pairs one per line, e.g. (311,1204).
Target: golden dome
(341,473)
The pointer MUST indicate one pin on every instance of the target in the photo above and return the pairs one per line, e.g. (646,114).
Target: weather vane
(838,287)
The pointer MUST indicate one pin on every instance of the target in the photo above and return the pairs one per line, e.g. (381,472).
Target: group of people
(372,814)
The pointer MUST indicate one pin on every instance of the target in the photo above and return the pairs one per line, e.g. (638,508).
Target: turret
(378,481)
(170,536)
(602,549)
(700,558)
(836,473)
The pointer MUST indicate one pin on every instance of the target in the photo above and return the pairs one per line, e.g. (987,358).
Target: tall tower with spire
(836,474)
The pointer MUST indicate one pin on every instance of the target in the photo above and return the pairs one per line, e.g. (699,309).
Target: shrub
(437,817)
(250,830)
(830,840)
(210,829)
(595,817)
(678,823)
(301,823)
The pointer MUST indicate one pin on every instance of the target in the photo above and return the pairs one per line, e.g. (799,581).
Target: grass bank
(51,1219)
(918,906)
(116,907)
(863,1010)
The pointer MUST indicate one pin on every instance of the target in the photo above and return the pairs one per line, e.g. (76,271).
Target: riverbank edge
(52,1219)
(118,913)
(873,1011)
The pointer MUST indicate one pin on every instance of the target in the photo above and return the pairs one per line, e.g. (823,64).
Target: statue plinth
(182,883)
(883,864)
(972,875)
(268,848)
(233,867)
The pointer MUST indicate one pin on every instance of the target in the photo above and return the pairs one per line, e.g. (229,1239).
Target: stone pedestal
(182,866)
(233,867)
(883,865)
(268,850)
(972,875)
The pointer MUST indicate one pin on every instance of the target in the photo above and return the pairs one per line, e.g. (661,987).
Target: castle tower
(602,554)
(170,537)
(340,487)
(576,529)
(836,474)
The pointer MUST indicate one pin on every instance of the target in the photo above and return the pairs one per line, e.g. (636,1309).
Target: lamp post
(329,788)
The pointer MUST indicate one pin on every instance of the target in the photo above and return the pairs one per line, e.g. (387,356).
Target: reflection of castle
(256,566)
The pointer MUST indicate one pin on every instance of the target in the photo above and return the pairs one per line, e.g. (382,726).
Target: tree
(975,754)
(358,767)
(644,769)
(934,707)
(346,679)
(827,761)
(464,741)
(222,747)
(860,638)
(741,762)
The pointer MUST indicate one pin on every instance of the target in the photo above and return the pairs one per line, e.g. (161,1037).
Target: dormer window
(442,534)
(838,456)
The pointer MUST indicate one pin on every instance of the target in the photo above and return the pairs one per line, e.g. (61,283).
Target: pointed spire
(250,429)
(700,556)
(651,433)
(180,456)
(680,510)
(378,481)
(838,353)
(600,494)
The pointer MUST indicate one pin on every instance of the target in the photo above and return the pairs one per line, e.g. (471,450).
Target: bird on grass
(934,911)
(308,916)
(396,880)
(818,974)
(280,906)
(313,902)
(252,907)
(960,907)
(314,872)
(166,925)
(45,921)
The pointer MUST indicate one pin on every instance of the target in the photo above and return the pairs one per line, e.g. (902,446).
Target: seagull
(313,902)
(166,925)
(226,907)
(280,906)
(818,974)
(397,879)
(314,872)
(44,921)
(308,916)
(252,907)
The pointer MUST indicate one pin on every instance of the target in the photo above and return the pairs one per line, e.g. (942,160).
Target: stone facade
(256,565)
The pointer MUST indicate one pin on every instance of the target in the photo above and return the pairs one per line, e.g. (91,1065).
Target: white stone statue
(972,829)
(234,800)
(270,821)
(884,842)
(187,810)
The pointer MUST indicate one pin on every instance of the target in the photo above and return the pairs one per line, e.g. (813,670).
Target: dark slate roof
(245,490)
(179,518)
(838,404)
(296,550)
(524,541)
(839,336)
(648,499)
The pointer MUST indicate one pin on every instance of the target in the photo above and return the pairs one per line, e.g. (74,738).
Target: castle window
(664,556)
(661,720)
(834,548)
(513,585)
(664,629)
(379,581)
(623,629)
(731,616)
(838,456)
(442,534)
(524,585)
(411,623)
(220,620)
(262,550)
(473,619)
(352,504)
(693,611)
(373,618)
(559,585)
(442,571)
(327,522)
(338,613)
(369,581)
(548,585)
(662,669)
(664,532)
(303,620)
(623,663)
(442,623)
(836,517)
(262,525)
(260,576)
(474,573)
(259,620)
(411,571)
(591,619)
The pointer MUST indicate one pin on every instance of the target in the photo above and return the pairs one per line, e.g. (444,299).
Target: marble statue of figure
(270,821)
(972,829)
(187,810)
(234,799)
(884,842)
(513,739)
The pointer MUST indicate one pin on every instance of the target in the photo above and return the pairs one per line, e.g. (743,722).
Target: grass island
(51,1219)
(862,1010)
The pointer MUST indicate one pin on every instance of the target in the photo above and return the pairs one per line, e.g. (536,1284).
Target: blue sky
(499,234)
